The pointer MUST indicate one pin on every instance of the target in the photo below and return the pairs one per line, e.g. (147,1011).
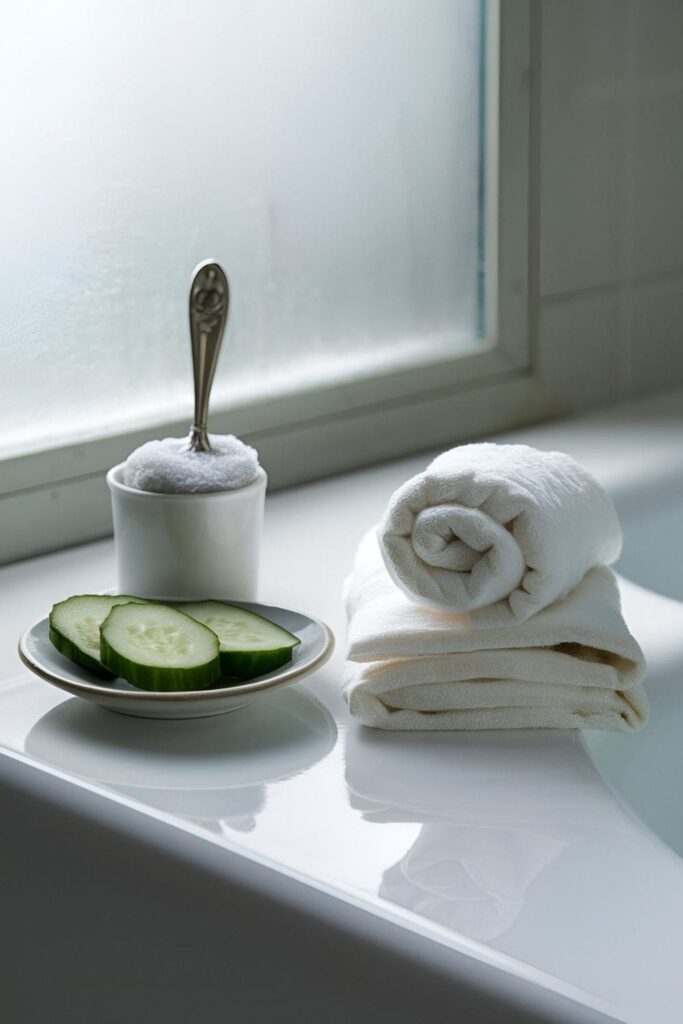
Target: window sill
(306,835)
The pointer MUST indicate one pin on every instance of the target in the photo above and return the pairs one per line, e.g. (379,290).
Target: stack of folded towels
(484,601)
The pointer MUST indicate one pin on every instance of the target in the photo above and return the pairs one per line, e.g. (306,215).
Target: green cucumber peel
(74,627)
(250,644)
(158,648)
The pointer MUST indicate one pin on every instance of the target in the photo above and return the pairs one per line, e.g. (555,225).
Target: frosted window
(326,152)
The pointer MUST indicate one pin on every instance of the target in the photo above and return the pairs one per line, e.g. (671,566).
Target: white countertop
(509,848)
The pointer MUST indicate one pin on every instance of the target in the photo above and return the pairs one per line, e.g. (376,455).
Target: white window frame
(56,497)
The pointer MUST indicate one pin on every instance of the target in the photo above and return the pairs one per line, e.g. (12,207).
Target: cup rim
(115,484)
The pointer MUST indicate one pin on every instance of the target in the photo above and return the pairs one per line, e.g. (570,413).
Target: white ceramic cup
(188,547)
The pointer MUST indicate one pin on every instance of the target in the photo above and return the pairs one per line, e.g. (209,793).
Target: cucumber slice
(250,644)
(159,648)
(75,627)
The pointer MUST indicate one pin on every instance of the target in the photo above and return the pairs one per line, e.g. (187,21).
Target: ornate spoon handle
(209,304)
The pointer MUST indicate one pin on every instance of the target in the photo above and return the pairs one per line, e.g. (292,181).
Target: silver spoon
(209,304)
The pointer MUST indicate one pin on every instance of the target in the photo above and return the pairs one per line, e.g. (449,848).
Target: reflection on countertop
(213,771)
(508,840)
(502,812)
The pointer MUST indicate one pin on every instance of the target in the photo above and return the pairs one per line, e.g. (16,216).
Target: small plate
(317,644)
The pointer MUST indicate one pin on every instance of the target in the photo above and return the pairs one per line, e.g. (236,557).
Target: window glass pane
(326,152)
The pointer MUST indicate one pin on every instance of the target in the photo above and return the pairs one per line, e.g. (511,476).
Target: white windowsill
(312,816)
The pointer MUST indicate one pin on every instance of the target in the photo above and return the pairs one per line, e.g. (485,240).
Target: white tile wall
(658,184)
(657,336)
(582,72)
(611,201)
(583,335)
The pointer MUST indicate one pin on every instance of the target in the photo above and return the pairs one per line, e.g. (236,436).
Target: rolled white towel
(574,665)
(505,525)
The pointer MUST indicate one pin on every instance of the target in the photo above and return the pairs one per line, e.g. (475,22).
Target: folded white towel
(498,525)
(574,665)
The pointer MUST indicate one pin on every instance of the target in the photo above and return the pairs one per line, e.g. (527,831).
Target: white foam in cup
(169,467)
